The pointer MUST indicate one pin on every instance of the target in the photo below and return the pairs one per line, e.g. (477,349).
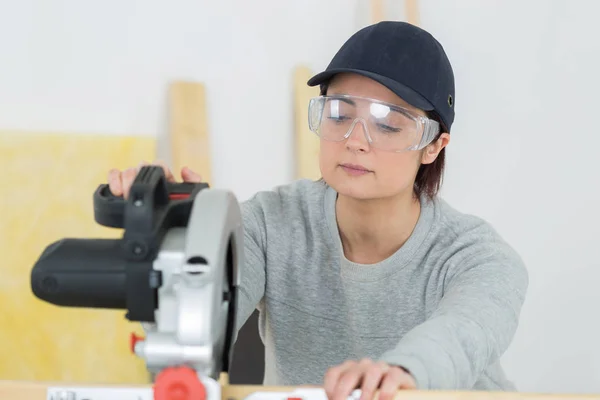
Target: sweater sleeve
(252,268)
(473,324)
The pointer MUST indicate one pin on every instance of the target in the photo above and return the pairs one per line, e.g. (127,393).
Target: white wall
(523,145)
(524,156)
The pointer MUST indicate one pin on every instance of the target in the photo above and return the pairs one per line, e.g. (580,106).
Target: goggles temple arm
(431,129)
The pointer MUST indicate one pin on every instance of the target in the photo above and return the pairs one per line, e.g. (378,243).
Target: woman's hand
(120,182)
(368,376)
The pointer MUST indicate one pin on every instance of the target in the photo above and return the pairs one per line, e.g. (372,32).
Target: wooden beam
(377,11)
(411,8)
(189,136)
(307,143)
(411,11)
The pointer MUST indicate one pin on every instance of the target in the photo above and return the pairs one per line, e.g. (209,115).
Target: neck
(373,230)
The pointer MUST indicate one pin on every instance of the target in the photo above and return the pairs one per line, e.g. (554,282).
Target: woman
(367,279)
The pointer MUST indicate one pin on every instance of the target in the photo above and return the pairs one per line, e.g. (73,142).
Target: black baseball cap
(406,59)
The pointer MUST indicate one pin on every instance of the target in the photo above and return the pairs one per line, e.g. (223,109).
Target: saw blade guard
(199,265)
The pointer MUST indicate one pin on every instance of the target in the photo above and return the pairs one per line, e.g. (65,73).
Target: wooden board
(411,8)
(307,143)
(377,11)
(188,129)
(47,184)
(18,390)
(411,11)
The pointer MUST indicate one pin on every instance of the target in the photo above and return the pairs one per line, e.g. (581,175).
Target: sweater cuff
(414,366)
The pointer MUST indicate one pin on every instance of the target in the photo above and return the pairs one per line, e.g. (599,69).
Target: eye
(339,118)
(388,129)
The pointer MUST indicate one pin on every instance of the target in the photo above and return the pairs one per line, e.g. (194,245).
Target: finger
(372,379)
(330,379)
(127,178)
(114,182)
(389,386)
(407,381)
(332,376)
(168,174)
(142,164)
(347,382)
(394,380)
(190,176)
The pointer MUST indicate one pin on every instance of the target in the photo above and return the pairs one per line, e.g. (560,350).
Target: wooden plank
(411,11)
(411,8)
(377,11)
(47,186)
(188,123)
(307,143)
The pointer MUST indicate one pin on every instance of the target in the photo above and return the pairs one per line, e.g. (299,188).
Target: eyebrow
(344,99)
(395,108)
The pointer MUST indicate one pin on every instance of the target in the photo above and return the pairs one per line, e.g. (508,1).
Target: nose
(357,137)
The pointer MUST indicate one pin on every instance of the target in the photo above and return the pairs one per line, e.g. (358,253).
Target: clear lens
(386,126)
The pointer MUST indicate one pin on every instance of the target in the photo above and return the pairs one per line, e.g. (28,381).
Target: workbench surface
(24,390)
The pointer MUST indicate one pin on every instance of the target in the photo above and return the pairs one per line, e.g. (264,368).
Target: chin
(360,188)
(364,187)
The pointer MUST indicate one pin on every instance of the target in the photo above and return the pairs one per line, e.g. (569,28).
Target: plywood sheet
(46,194)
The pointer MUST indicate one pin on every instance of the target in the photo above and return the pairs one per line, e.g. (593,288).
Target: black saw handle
(109,210)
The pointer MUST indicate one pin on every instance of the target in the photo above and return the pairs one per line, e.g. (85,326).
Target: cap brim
(407,94)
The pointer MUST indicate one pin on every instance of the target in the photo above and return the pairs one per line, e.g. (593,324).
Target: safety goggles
(386,126)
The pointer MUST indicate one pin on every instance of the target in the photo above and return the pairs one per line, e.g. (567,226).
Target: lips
(356,167)
(355,170)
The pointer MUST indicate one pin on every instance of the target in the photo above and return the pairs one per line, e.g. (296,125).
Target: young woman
(367,279)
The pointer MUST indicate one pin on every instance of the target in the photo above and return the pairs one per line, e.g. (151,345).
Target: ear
(431,152)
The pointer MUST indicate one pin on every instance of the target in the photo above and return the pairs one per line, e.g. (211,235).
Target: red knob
(178,383)
(133,339)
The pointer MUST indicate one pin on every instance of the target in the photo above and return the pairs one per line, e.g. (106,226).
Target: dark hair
(429,176)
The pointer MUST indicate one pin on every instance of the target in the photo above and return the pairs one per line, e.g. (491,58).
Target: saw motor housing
(175,270)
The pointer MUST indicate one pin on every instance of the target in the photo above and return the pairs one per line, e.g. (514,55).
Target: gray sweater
(445,306)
